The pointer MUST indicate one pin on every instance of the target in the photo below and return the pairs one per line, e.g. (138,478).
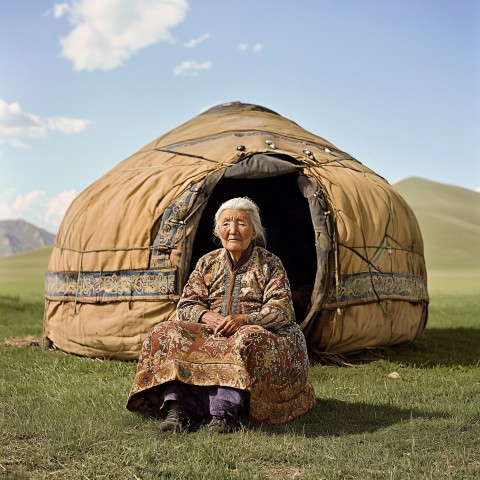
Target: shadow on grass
(332,417)
(439,347)
(436,347)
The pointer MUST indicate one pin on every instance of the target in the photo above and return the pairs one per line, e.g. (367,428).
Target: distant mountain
(18,236)
(449,219)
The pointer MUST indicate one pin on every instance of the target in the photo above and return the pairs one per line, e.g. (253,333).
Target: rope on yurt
(336,244)
(203,174)
(191,155)
(412,244)
(97,250)
(79,271)
(159,167)
(410,251)
(338,311)
(358,254)
(369,262)
(411,229)
(391,212)
(386,235)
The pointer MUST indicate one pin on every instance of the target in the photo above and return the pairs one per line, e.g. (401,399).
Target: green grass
(454,282)
(24,274)
(64,416)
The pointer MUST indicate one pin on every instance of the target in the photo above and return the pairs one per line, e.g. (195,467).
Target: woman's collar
(234,266)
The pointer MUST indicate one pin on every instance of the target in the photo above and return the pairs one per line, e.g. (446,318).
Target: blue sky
(85,84)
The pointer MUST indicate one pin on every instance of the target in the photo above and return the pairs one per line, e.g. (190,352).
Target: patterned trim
(226,287)
(370,287)
(160,260)
(237,287)
(99,287)
(172,225)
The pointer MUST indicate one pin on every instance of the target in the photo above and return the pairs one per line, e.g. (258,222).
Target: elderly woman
(235,347)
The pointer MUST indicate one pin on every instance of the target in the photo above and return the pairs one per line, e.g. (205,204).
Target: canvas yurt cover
(350,244)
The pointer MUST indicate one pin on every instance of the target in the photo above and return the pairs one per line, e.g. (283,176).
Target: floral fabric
(267,358)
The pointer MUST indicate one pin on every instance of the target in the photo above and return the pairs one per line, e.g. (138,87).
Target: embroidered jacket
(258,287)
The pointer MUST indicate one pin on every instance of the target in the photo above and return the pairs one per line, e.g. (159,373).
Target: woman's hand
(230,324)
(212,319)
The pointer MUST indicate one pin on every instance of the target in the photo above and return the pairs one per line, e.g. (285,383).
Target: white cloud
(195,41)
(107,33)
(57,206)
(60,9)
(13,205)
(67,125)
(36,207)
(27,206)
(191,68)
(25,202)
(16,125)
(243,47)
(5,208)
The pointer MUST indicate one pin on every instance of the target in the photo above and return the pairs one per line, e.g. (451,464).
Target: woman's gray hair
(246,205)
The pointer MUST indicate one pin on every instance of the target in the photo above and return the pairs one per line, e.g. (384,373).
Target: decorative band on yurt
(374,286)
(98,287)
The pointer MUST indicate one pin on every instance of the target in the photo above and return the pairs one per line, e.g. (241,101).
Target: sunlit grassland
(23,274)
(63,416)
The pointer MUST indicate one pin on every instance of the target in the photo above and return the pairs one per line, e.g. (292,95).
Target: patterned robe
(267,357)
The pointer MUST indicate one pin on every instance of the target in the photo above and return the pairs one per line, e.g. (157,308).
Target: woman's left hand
(230,324)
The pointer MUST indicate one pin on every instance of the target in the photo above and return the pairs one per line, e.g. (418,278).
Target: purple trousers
(203,401)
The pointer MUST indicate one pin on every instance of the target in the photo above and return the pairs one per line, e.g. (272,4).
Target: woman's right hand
(230,324)
(213,319)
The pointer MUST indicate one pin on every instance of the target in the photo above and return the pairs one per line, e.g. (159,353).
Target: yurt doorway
(288,223)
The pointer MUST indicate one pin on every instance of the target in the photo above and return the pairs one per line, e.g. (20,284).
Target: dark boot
(223,425)
(177,419)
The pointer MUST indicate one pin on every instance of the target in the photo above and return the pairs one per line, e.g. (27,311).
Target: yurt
(351,245)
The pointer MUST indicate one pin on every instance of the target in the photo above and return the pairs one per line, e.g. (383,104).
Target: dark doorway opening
(286,217)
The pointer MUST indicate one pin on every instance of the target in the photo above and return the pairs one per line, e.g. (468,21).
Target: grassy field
(64,416)
(22,275)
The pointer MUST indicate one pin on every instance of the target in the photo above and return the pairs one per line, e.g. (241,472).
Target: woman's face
(236,231)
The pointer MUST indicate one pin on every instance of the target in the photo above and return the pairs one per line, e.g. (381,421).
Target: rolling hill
(449,218)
